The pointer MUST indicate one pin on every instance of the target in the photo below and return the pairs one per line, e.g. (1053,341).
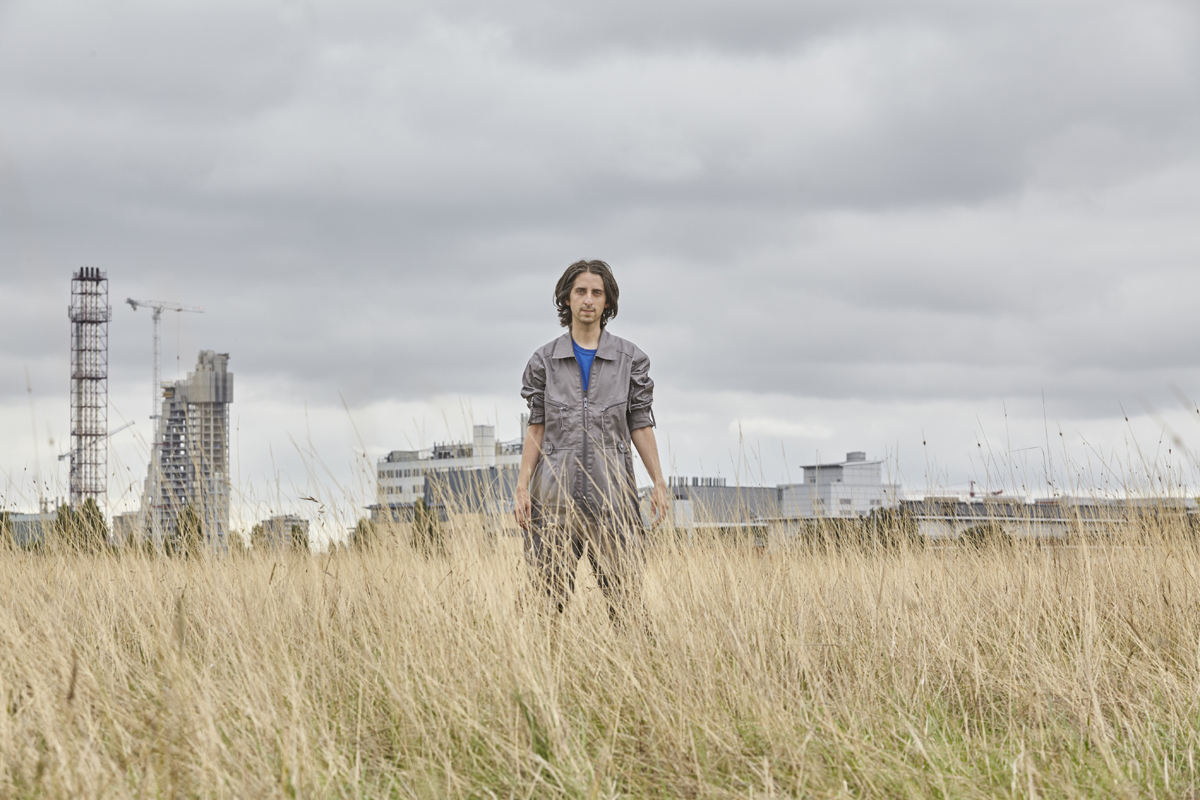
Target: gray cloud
(920,203)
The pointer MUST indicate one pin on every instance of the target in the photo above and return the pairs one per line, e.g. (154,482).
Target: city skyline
(949,237)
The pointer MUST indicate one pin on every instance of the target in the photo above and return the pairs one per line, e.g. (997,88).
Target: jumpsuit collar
(607,349)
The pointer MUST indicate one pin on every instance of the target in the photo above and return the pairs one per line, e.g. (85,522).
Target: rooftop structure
(192,448)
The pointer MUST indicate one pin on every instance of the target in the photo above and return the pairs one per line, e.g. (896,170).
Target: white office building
(402,473)
(850,488)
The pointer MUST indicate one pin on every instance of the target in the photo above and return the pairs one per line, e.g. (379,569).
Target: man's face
(587,298)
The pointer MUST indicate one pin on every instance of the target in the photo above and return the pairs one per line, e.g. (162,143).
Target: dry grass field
(1024,670)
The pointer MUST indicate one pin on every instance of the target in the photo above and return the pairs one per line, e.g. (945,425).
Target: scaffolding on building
(191,467)
(90,314)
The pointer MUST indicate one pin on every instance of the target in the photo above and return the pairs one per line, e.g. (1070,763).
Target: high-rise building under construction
(190,461)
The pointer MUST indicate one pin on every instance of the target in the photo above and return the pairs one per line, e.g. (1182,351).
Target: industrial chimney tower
(90,313)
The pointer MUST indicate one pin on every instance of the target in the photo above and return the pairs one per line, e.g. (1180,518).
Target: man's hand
(647,447)
(530,453)
(660,504)
(522,507)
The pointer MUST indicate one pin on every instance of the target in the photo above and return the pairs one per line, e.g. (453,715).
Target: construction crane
(982,493)
(156,387)
(159,307)
(108,435)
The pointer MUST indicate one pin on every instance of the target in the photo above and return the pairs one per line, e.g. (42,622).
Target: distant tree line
(84,530)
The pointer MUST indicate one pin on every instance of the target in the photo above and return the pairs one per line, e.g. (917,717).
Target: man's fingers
(522,509)
(660,511)
(660,507)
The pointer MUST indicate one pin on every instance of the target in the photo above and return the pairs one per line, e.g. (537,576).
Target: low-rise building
(948,518)
(31,530)
(482,490)
(850,488)
(404,475)
(707,502)
(281,532)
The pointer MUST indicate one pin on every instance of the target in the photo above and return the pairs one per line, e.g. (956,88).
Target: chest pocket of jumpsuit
(557,422)
(614,424)
(618,460)
(613,471)
(550,473)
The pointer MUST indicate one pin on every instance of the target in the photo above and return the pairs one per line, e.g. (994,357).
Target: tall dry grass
(1024,670)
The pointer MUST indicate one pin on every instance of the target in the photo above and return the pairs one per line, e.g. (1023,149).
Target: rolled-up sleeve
(533,389)
(641,393)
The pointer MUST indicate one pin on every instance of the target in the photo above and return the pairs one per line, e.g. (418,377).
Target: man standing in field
(589,395)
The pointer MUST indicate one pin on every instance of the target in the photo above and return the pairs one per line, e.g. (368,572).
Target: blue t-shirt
(584,357)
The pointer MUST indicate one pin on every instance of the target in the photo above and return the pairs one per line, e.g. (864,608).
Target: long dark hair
(562,292)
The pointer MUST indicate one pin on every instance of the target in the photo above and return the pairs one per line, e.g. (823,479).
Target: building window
(845,501)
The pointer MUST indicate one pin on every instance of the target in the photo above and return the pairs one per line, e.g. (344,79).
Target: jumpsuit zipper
(585,444)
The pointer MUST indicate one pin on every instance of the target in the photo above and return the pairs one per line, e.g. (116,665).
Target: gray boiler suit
(583,491)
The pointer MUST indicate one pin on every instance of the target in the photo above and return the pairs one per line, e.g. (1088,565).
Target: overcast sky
(926,230)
